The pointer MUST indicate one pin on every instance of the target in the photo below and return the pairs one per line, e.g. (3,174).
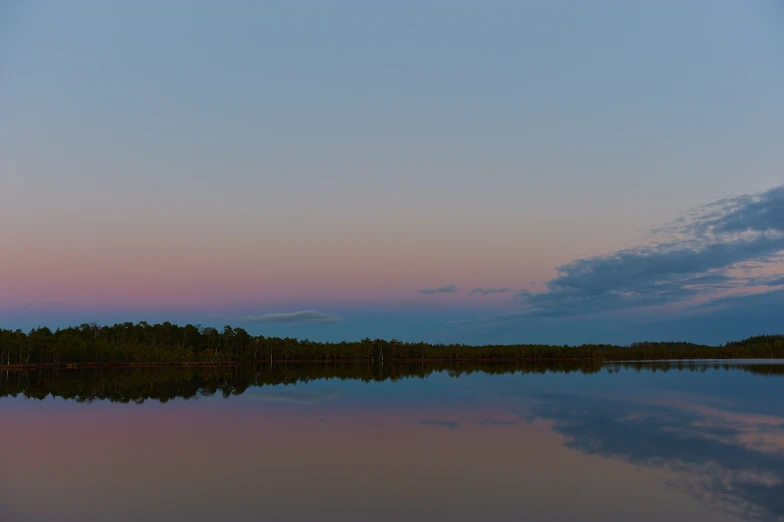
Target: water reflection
(567,443)
(731,459)
(167,383)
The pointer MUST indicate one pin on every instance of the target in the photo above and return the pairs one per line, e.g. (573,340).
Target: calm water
(613,444)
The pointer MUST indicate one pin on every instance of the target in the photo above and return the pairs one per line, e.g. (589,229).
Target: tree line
(163,384)
(142,342)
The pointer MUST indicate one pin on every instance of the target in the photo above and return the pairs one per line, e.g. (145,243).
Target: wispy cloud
(694,256)
(449,289)
(452,425)
(302,317)
(488,291)
(495,422)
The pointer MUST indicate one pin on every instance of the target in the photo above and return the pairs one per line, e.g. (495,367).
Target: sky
(448,171)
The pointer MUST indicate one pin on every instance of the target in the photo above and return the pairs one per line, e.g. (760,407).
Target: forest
(162,384)
(166,343)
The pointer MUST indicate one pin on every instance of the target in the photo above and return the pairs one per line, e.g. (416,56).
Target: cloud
(488,291)
(694,256)
(449,289)
(303,317)
(770,281)
(495,422)
(452,425)
(735,215)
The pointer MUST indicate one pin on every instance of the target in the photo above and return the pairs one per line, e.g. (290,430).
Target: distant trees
(169,343)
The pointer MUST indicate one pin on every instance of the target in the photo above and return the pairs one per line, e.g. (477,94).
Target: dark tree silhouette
(167,343)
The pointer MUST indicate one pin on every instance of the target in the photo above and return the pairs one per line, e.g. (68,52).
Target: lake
(614,442)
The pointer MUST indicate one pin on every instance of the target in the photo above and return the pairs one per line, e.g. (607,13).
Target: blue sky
(448,171)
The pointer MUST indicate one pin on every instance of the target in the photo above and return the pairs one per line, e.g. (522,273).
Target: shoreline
(185,364)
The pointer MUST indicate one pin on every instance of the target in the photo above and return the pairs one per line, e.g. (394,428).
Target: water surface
(650,442)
